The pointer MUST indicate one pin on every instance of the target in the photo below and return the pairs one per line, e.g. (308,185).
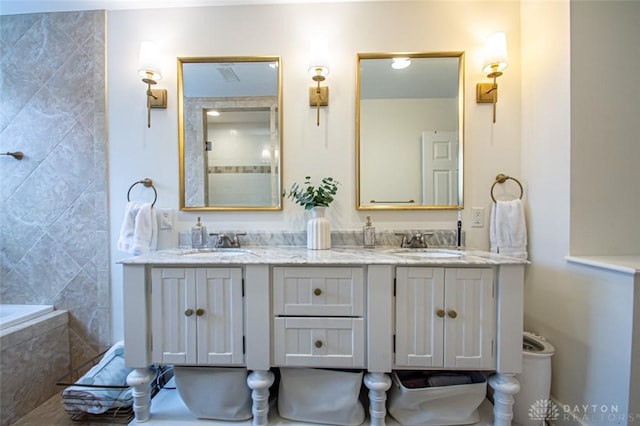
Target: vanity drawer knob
(452,314)
(317,292)
(318,343)
(199,312)
(188,312)
(440,313)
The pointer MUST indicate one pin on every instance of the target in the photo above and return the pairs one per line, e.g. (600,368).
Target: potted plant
(311,196)
(316,199)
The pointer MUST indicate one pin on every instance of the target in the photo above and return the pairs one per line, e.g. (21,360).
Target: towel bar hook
(147,183)
(502,178)
(17,155)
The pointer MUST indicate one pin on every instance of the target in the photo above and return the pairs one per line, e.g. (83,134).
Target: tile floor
(52,413)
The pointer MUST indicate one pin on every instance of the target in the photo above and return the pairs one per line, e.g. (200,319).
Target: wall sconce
(495,61)
(319,69)
(151,72)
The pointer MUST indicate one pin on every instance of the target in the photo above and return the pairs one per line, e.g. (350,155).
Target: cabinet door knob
(452,314)
(440,313)
(188,312)
(199,312)
(318,343)
(317,292)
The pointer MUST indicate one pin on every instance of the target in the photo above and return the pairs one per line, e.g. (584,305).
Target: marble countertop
(341,255)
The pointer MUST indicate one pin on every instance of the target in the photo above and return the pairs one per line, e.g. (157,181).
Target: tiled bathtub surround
(53,203)
(34,354)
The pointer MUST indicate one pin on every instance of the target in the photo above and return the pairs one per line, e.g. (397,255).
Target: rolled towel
(89,396)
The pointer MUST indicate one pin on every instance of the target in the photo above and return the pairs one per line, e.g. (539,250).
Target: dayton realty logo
(544,409)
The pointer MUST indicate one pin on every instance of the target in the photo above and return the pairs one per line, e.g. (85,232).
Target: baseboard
(564,418)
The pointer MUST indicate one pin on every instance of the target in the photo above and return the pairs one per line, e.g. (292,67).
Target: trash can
(532,406)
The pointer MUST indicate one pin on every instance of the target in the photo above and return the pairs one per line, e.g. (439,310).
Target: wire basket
(98,395)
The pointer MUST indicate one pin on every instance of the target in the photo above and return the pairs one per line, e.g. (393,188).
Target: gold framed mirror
(409,131)
(230,140)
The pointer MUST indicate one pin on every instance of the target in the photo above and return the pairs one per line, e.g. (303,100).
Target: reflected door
(439,168)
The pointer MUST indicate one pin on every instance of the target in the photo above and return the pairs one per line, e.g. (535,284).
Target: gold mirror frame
(235,106)
(404,204)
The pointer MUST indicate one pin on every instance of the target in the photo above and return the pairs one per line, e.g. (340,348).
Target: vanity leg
(259,382)
(504,387)
(140,379)
(378,385)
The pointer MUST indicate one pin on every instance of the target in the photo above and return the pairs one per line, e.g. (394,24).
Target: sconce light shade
(319,69)
(495,61)
(149,61)
(150,70)
(319,57)
(495,53)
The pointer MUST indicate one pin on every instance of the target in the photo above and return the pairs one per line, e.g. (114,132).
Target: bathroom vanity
(377,310)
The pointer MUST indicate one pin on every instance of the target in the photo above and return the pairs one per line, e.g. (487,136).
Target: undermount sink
(426,252)
(215,252)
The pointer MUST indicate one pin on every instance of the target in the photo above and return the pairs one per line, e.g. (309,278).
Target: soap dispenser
(369,233)
(198,235)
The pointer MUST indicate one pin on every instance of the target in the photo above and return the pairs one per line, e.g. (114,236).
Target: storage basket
(219,393)
(321,396)
(430,398)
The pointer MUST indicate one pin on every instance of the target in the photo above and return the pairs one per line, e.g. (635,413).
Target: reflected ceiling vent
(228,74)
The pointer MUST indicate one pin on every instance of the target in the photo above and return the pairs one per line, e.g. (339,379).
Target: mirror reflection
(409,118)
(229,127)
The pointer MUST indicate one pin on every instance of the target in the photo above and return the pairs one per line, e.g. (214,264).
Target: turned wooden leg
(259,382)
(378,385)
(504,387)
(140,379)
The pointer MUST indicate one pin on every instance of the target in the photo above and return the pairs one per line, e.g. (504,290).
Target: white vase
(318,230)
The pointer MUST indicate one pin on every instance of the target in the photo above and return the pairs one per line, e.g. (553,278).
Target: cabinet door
(470,334)
(419,330)
(173,326)
(219,312)
(318,291)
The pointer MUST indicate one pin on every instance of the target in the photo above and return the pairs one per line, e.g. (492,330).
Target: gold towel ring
(502,178)
(148,183)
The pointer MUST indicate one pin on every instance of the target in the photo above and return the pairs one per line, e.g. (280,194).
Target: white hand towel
(508,229)
(139,231)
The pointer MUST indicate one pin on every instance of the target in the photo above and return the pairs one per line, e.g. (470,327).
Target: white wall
(586,313)
(329,150)
(605,119)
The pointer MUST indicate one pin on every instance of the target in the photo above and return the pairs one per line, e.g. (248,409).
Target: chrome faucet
(225,241)
(414,241)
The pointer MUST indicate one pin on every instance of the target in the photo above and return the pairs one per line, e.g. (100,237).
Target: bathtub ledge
(22,332)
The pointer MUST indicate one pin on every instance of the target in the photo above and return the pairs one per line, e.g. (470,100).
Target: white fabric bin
(215,392)
(321,396)
(430,398)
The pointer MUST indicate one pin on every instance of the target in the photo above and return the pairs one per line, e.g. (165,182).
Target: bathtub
(34,349)
(11,315)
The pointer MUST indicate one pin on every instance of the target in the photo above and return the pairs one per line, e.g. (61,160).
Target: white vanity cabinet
(319,317)
(335,309)
(445,318)
(197,316)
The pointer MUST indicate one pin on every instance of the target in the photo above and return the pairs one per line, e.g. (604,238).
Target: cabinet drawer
(321,291)
(319,342)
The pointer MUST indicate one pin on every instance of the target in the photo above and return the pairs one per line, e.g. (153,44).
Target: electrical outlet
(166,218)
(477,217)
